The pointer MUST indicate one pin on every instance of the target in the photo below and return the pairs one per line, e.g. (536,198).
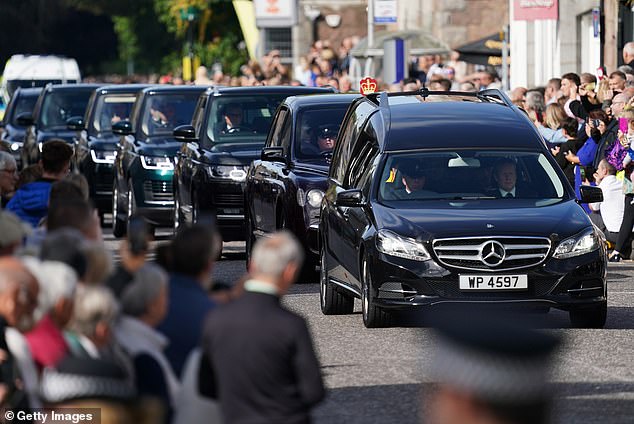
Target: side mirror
(75,123)
(122,128)
(350,198)
(185,133)
(590,194)
(25,119)
(273,154)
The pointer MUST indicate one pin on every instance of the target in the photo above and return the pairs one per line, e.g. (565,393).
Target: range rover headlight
(577,245)
(403,247)
(157,162)
(39,146)
(102,156)
(312,197)
(230,172)
(15,146)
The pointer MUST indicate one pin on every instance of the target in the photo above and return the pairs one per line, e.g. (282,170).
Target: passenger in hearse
(505,177)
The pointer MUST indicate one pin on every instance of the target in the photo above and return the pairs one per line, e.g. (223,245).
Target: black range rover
(96,144)
(13,129)
(228,131)
(55,106)
(440,197)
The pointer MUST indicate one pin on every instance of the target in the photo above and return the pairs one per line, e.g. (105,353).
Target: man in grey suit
(258,357)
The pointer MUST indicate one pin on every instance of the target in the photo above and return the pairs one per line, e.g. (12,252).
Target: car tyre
(118,225)
(589,318)
(373,316)
(332,301)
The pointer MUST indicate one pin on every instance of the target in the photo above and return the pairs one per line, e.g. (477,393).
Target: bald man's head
(18,293)
(628,52)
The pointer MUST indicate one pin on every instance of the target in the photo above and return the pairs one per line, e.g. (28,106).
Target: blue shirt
(189,304)
(30,202)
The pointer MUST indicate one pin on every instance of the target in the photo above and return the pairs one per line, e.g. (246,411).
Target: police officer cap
(412,168)
(494,357)
(325,131)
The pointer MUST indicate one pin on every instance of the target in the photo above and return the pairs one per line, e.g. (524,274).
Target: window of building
(279,39)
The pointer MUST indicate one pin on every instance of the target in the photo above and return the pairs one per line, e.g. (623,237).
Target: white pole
(505,59)
(370,24)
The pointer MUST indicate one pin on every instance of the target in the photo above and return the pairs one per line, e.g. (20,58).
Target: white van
(37,71)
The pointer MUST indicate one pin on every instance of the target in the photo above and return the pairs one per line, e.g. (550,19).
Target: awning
(420,43)
(486,51)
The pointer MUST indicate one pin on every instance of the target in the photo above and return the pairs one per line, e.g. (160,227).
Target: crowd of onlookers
(140,340)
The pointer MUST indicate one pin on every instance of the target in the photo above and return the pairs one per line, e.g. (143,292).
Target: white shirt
(504,192)
(613,203)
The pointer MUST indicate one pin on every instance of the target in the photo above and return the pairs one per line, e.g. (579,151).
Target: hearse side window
(345,143)
(362,157)
(278,124)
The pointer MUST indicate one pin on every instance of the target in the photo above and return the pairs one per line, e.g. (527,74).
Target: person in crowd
(194,250)
(12,233)
(30,201)
(585,157)
(78,384)
(90,330)
(28,175)
(259,360)
(570,83)
(608,214)
(8,177)
(144,303)
(628,54)
(489,79)
(133,253)
(202,76)
(66,245)
(518,96)
(569,130)
(552,91)
(345,85)
(99,263)
(18,299)
(58,282)
(627,223)
(490,370)
(550,128)
(617,82)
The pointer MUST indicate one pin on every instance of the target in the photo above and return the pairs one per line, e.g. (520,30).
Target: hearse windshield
(111,109)
(470,174)
(164,112)
(317,132)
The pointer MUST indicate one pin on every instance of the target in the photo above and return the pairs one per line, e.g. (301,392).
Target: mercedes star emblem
(492,253)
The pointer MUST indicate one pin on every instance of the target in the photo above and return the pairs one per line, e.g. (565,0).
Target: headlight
(16,146)
(39,146)
(403,247)
(102,156)
(235,173)
(157,162)
(575,246)
(313,197)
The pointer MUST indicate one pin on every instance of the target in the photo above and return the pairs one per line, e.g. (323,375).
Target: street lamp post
(189,14)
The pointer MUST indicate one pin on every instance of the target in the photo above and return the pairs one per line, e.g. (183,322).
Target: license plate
(493,282)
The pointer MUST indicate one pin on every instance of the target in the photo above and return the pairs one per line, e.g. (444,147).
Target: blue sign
(596,21)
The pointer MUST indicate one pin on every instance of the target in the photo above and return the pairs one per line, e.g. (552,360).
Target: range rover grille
(158,191)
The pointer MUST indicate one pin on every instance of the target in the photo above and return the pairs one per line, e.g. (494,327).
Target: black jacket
(259,362)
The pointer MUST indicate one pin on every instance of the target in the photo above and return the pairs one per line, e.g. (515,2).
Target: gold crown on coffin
(368,85)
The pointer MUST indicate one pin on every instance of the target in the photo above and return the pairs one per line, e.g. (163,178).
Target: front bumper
(154,196)
(225,199)
(561,283)
(100,177)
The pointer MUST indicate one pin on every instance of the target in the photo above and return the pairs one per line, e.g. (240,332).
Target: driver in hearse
(505,177)
(414,179)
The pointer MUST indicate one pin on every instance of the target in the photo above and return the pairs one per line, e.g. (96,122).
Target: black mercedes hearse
(443,198)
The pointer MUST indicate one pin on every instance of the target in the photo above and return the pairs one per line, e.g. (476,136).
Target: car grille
(158,191)
(228,200)
(450,288)
(470,253)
